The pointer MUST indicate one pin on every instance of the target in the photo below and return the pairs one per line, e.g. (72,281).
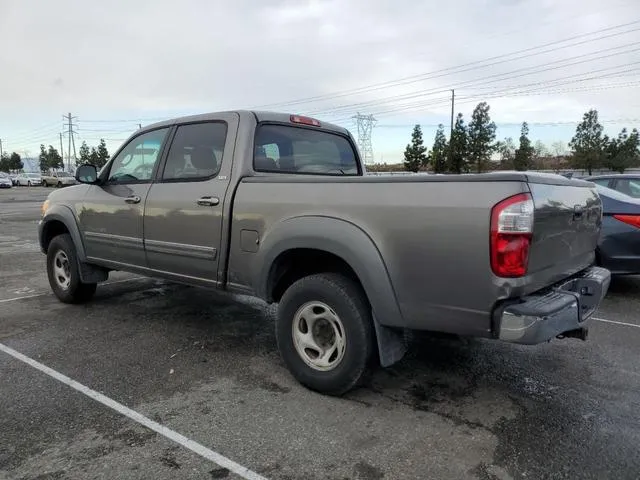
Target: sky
(114,65)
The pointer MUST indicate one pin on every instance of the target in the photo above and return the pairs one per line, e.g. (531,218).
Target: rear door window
(196,152)
(629,187)
(603,182)
(299,150)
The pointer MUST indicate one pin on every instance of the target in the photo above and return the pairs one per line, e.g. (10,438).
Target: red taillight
(304,120)
(633,220)
(511,231)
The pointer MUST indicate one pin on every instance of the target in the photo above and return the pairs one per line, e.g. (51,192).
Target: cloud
(131,59)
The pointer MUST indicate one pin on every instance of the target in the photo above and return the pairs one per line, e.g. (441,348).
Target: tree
(55,160)
(439,151)
(558,150)
(415,155)
(588,144)
(49,159)
(622,152)
(94,158)
(15,162)
(5,165)
(523,159)
(103,154)
(482,134)
(457,162)
(507,150)
(540,149)
(43,159)
(84,154)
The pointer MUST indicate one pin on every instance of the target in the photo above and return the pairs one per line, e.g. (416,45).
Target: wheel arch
(340,242)
(336,242)
(60,219)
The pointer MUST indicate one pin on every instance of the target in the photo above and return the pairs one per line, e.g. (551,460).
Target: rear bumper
(565,307)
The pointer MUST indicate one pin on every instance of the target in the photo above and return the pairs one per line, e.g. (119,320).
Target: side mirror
(87,174)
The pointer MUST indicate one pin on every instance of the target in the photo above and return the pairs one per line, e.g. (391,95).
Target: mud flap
(392,343)
(92,273)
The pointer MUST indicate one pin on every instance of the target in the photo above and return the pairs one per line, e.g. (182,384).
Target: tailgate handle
(577,211)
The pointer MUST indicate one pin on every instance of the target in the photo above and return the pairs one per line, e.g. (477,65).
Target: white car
(28,179)
(5,181)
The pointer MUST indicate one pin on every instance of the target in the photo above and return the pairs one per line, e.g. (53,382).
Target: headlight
(45,207)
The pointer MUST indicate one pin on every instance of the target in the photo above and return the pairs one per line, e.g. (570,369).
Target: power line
(547,83)
(521,72)
(130,120)
(477,63)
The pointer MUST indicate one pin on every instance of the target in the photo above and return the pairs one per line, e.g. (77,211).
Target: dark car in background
(619,243)
(629,184)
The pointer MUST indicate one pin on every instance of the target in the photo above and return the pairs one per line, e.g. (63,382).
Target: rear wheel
(29,183)
(324,332)
(59,184)
(63,272)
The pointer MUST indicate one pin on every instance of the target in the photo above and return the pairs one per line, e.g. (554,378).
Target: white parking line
(181,440)
(35,295)
(616,323)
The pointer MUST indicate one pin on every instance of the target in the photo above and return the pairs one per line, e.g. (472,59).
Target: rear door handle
(132,199)
(208,201)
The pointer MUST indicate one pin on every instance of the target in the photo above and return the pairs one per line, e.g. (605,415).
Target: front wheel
(63,272)
(324,332)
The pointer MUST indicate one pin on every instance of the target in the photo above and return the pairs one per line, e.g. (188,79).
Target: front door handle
(208,201)
(132,199)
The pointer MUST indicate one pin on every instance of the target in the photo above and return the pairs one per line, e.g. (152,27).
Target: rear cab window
(301,150)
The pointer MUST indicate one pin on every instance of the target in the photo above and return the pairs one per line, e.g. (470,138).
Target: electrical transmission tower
(69,125)
(365,124)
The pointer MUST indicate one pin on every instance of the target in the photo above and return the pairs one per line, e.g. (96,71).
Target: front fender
(64,215)
(338,237)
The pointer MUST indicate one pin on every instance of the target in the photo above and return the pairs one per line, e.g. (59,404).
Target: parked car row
(29,179)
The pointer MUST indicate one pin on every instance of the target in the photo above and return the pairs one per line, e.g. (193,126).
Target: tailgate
(566,226)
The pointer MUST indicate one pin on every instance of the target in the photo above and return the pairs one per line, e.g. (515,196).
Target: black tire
(347,299)
(59,184)
(28,183)
(76,292)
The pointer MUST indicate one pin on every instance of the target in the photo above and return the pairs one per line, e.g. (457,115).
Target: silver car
(28,179)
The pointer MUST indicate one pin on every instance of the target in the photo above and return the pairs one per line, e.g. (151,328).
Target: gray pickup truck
(280,207)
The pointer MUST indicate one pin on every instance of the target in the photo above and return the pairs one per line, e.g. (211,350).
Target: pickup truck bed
(280,206)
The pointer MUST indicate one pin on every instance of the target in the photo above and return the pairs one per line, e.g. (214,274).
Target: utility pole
(365,124)
(0,147)
(61,151)
(72,142)
(453,97)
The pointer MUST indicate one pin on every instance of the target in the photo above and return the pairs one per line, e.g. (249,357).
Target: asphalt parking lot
(205,368)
